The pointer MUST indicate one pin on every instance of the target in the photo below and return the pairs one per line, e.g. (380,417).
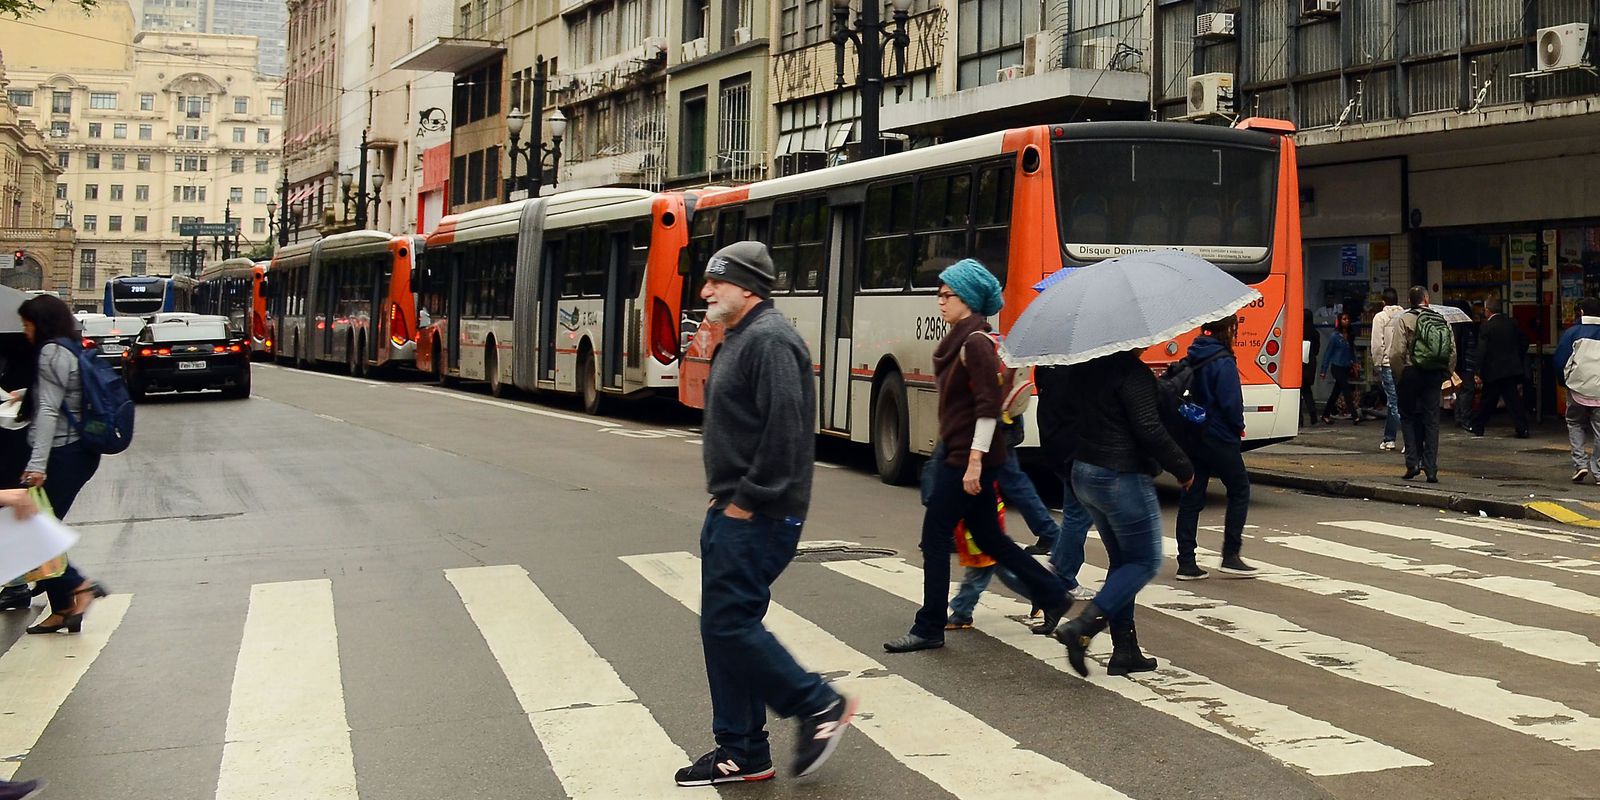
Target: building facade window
(119,161)
(238,135)
(63,159)
(91,223)
(696,18)
(141,224)
(235,194)
(147,101)
(20,97)
(989,37)
(104,101)
(264,136)
(94,130)
(692,132)
(733,125)
(114,223)
(116,191)
(119,130)
(146,132)
(237,166)
(144,163)
(91,160)
(61,191)
(59,129)
(275,106)
(261,166)
(91,191)
(261,195)
(241,105)
(61,102)
(258,225)
(802,23)
(86,263)
(141,193)
(138,260)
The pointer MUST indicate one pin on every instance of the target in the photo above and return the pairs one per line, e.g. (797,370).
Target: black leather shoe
(1052,617)
(1433,479)
(1076,635)
(1411,472)
(910,643)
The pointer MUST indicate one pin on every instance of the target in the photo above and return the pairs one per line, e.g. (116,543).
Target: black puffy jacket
(1119,427)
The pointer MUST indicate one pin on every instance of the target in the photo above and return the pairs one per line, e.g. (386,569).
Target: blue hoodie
(1216,387)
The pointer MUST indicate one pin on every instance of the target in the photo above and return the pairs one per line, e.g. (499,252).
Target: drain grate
(825,551)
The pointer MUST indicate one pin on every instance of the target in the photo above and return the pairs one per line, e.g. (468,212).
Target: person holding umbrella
(1098,320)
(969,373)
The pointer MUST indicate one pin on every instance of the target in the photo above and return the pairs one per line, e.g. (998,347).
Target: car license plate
(183,365)
(113,349)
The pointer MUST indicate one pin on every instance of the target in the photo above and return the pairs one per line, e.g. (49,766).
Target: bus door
(838,311)
(550,278)
(378,313)
(453,263)
(616,310)
(328,292)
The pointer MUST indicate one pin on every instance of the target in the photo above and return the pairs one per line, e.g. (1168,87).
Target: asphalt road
(343,588)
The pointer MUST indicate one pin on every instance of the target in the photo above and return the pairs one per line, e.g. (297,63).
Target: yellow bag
(55,566)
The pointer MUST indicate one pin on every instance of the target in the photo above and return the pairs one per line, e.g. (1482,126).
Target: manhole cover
(824,551)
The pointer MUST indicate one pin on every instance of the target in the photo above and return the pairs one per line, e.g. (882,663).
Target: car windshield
(188,331)
(112,326)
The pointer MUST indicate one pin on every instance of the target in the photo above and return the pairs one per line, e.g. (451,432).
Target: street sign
(208,228)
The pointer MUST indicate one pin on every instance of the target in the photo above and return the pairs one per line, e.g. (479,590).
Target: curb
(1416,496)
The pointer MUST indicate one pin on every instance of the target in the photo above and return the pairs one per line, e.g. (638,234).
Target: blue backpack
(107,424)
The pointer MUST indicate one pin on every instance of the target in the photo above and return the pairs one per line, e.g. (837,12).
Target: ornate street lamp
(539,156)
(870,34)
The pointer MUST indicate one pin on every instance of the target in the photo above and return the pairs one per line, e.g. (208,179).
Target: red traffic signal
(16,259)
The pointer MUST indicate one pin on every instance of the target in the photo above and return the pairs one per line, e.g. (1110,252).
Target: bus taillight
(663,333)
(1271,356)
(398,335)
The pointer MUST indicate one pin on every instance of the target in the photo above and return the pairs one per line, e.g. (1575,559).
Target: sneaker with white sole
(1235,566)
(1386,446)
(820,734)
(1192,572)
(1581,475)
(717,767)
(1083,593)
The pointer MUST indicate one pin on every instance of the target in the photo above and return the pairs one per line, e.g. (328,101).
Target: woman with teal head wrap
(975,285)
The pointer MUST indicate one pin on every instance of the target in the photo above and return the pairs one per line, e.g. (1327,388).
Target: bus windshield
(1213,200)
(144,297)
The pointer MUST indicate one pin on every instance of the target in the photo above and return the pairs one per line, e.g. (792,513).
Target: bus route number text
(931,329)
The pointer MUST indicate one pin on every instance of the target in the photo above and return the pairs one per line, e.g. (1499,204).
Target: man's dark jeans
(1213,457)
(949,503)
(746,666)
(1419,417)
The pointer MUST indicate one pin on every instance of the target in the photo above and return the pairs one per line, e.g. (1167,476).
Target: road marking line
(600,423)
(1318,747)
(1463,544)
(577,704)
(329,418)
(311,373)
(1524,529)
(39,672)
(1480,698)
(288,737)
(1542,592)
(959,752)
(1556,645)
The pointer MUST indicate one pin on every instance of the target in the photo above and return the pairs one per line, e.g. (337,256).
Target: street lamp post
(283,221)
(535,152)
(870,34)
(361,197)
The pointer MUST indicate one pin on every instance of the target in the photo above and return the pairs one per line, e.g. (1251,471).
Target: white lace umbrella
(1136,300)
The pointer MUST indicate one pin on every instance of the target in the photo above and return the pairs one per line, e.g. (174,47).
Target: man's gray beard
(717,314)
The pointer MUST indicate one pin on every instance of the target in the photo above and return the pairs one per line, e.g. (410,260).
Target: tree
(18,9)
(261,252)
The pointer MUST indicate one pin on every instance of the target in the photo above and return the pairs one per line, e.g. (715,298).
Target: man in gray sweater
(759,455)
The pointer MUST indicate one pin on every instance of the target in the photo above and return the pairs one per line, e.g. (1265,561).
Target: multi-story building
(152,130)
(263,19)
(609,79)
(312,115)
(28,201)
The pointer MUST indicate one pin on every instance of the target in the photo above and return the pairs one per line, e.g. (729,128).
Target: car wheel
(136,391)
(240,390)
(891,433)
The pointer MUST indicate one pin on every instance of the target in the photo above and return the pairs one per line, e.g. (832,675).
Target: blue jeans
(973,584)
(1391,426)
(1017,488)
(1214,458)
(1066,554)
(949,503)
(746,666)
(1124,508)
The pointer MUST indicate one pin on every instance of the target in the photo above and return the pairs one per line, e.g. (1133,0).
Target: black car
(188,355)
(110,337)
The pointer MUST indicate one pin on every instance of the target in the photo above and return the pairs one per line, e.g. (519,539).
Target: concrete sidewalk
(1496,474)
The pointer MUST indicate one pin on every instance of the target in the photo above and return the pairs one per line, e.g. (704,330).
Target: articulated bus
(858,249)
(143,295)
(345,299)
(234,289)
(578,292)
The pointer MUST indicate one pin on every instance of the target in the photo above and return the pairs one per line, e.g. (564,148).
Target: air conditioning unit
(1099,52)
(560,82)
(57,133)
(654,47)
(1563,47)
(1041,52)
(741,35)
(801,161)
(1319,8)
(1010,73)
(1211,94)
(694,48)
(1214,25)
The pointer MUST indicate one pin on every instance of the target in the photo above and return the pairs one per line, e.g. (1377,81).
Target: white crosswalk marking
(1316,746)
(1533,591)
(1525,529)
(576,702)
(959,752)
(1563,646)
(39,672)
(1464,544)
(1481,698)
(288,737)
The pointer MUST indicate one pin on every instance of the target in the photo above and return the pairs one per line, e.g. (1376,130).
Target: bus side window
(991,241)
(886,260)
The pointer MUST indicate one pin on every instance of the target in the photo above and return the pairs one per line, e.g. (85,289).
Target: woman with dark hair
(1336,363)
(59,464)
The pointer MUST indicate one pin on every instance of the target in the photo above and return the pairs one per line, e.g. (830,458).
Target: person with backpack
(1578,363)
(1501,366)
(968,372)
(1216,451)
(1336,362)
(1423,354)
(61,461)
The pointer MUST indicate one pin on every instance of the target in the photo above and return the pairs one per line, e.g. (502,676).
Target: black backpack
(1173,392)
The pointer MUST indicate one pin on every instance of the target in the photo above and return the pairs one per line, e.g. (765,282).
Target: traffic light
(16,260)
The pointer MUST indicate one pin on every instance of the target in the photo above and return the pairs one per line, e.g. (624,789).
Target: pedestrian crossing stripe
(39,672)
(1525,529)
(964,755)
(1318,747)
(1464,544)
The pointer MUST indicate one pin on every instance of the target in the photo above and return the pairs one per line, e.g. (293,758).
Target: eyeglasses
(946,295)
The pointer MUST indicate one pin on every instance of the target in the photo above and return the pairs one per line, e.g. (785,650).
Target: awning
(449,54)
(303,192)
(1055,94)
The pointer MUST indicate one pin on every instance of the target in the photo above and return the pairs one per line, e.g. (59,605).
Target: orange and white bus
(345,299)
(578,292)
(858,249)
(235,289)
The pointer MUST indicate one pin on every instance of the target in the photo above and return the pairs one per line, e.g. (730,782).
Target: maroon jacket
(968,391)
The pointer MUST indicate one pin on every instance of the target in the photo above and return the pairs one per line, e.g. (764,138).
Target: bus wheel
(891,433)
(352,359)
(439,375)
(299,354)
(588,386)
(491,369)
(363,364)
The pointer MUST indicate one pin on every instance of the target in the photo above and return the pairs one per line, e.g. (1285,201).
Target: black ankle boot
(1126,656)
(1077,633)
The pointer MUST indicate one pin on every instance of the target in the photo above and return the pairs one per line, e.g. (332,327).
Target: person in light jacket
(1382,331)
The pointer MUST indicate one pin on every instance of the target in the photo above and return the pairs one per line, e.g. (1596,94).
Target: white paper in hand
(25,545)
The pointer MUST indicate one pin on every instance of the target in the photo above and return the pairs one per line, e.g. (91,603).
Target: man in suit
(1502,351)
